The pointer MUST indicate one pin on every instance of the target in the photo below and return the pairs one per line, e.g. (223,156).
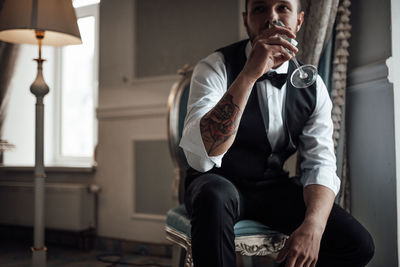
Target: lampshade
(20,18)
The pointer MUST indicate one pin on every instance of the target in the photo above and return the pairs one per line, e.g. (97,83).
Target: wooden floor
(18,254)
(67,250)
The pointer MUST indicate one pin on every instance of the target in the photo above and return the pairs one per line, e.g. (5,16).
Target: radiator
(68,207)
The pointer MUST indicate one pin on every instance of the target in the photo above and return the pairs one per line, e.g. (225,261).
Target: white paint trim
(155,137)
(393,64)
(50,169)
(373,85)
(148,217)
(367,73)
(129,112)
(56,186)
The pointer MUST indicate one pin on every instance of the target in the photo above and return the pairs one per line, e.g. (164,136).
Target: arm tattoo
(220,123)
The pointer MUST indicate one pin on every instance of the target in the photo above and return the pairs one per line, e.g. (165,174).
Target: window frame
(59,158)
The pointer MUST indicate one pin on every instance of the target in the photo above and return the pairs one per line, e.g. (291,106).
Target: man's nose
(272,18)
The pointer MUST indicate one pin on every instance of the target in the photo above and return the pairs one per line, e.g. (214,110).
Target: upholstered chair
(251,238)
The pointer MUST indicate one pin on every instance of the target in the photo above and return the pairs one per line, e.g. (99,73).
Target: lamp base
(39,257)
(39,88)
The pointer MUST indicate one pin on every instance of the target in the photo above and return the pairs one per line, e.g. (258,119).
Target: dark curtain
(8,54)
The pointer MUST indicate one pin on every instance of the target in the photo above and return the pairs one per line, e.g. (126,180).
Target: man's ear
(244,16)
(300,20)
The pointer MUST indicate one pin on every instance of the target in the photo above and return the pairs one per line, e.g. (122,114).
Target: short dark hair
(298,6)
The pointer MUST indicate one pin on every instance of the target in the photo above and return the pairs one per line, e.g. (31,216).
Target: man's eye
(259,9)
(283,8)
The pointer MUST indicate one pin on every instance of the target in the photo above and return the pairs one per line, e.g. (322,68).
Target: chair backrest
(177,107)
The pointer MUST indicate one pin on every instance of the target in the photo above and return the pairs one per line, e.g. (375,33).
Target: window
(78,71)
(81,3)
(72,75)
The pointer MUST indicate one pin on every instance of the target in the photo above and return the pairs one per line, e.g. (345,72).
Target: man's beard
(251,35)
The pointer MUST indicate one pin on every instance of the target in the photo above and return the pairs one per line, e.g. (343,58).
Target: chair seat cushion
(251,237)
(178,220)
(250,227)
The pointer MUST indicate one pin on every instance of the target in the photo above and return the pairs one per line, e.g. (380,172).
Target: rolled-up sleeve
(316,148)
(207,87)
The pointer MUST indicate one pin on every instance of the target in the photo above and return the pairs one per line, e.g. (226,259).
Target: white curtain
(8,54)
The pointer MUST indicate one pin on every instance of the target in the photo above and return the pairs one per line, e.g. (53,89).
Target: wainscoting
(134,167)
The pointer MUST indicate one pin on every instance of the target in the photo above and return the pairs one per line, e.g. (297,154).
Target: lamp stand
(39,88)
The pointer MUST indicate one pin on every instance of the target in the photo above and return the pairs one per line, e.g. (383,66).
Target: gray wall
(170,34)
(370,41)
(370,127)
(143,39)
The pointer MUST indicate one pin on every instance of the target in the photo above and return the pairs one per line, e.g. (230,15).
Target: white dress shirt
(209,84)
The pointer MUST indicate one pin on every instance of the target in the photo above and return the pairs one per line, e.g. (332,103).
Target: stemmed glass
(303,76)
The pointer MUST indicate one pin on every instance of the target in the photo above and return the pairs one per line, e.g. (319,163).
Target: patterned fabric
(263,245)
(317,27)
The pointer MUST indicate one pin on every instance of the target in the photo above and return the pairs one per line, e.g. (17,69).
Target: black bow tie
(277,80)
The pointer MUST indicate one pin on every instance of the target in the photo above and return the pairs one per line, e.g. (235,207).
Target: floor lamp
(42,22)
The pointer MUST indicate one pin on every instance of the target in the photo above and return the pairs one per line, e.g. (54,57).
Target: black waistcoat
(250,160)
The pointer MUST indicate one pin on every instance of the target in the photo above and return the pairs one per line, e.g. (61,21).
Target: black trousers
(215,204)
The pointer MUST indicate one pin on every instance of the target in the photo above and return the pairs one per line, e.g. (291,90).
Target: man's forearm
(219,126)
(319,201)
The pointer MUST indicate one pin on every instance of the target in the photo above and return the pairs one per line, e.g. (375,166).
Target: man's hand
(302,247)
(269,49)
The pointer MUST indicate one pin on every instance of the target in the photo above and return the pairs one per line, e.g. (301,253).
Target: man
(241,126)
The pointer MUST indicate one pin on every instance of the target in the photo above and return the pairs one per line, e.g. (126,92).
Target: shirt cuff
(195,152)
(321,176)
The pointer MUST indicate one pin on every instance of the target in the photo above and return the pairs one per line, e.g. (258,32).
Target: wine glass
(303,76)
